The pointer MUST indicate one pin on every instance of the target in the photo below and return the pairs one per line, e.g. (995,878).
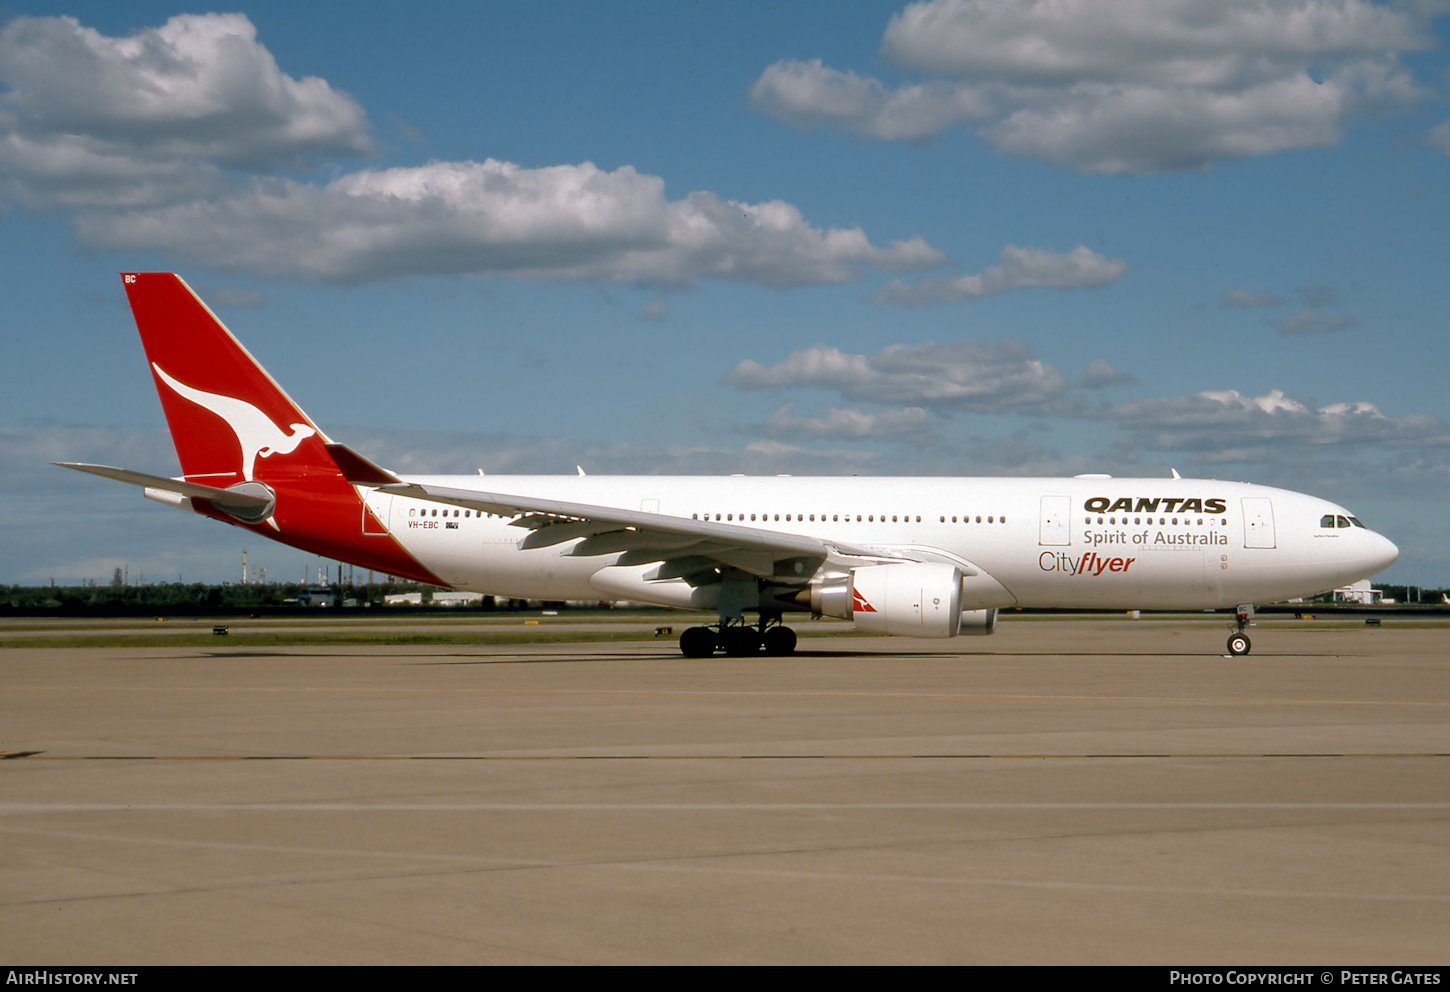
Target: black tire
(1239,644)
(779,640)
(697,642)
(740,641)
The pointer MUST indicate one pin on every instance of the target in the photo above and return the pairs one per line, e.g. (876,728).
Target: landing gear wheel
(779,640)
(697,642)
(1238,644)
(740,641)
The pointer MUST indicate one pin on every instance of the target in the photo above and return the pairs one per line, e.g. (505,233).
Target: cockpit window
(1355,521)
(1327,520)
(1344,521)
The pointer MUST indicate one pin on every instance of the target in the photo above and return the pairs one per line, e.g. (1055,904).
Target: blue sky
(962,237)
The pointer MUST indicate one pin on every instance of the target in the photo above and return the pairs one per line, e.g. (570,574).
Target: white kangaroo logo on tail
(255,431)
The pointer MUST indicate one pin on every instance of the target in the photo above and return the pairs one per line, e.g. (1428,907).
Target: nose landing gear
(1238,642)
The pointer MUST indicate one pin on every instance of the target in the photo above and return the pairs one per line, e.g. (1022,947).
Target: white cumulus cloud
(1018,268)
(1121,86)
(810,95)
(1439,137)
(1247,298)
(1309,322)
(975,376)
(1100,374)
(92,120)
(1226,425)
(187,139)
(491,217)
(1163,42)
(847,422)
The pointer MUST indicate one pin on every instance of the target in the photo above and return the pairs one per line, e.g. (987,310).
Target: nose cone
(1380,555)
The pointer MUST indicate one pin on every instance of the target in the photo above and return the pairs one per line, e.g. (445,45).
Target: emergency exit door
(1056,525)
(1258,522)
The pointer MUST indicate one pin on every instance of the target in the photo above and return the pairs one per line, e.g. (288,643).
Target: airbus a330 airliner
(917,557)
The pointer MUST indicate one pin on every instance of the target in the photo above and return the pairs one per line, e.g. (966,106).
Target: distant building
(1360,592)
(439,599)
(457,598)
(318,596)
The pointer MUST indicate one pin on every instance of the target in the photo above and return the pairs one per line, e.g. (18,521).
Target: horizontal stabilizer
(194,490)
(250,506)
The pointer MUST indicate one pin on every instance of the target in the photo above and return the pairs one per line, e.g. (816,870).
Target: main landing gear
(738,639)
(1238,642)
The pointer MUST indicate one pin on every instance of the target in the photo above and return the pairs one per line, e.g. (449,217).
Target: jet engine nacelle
(908,600)
(247,510)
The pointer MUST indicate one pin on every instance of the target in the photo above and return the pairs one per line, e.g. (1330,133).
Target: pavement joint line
(707,693)
(677,865)
(42,756)
(385,807)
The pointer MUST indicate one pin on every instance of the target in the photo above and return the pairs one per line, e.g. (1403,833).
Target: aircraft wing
(683,545)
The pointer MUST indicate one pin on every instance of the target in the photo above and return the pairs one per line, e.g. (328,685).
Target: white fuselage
(1084,542)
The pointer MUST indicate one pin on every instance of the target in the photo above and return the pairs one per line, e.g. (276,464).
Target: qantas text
(1102,504)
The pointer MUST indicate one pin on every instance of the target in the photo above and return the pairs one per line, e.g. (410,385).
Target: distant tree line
(176,598)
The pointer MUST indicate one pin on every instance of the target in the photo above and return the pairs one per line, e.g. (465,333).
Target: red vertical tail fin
(229,419)
(232,424)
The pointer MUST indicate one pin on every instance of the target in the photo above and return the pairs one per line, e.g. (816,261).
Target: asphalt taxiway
(1094,791)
